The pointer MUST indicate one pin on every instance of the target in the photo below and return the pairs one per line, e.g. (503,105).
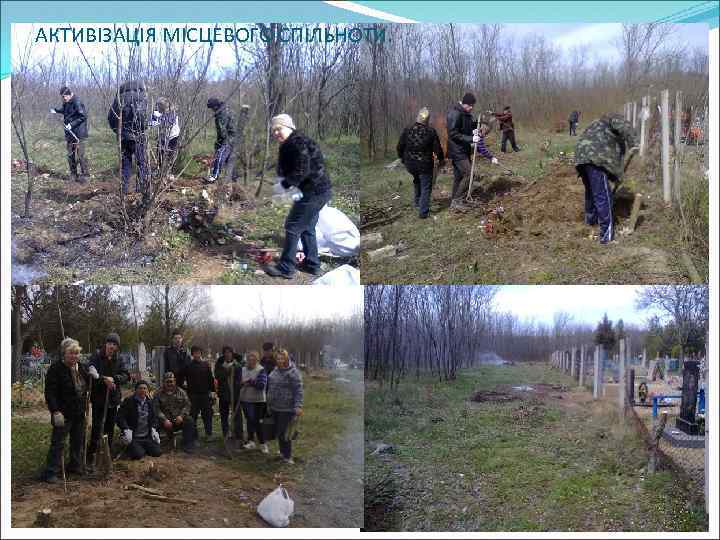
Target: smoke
(22,274)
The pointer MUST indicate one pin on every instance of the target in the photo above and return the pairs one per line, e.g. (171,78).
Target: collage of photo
(444,277)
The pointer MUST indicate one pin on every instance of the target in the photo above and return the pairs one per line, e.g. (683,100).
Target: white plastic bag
(342,276)
(337,235)
(277,507)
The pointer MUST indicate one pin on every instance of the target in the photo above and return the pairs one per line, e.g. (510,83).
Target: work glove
(476,139)
(155,435)
(156,114)
(126,436)
(68,126)
(494,161)
(58,420)
(52,110)
(475,132)
(93,372)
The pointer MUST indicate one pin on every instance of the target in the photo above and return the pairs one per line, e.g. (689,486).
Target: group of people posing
(300,164)
(599,157)
(266,390)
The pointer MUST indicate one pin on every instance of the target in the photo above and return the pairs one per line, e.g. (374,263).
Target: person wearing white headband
(300,164)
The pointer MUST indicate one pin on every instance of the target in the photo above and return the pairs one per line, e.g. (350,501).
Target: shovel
(104,460)
(87,425)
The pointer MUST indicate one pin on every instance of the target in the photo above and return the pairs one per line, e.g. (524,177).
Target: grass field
(547,463)
(52,242)
(232,487)
(538,238)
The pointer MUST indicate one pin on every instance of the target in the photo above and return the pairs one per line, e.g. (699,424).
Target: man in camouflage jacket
(225,135)
(172,410)
(415,148)
(599,157)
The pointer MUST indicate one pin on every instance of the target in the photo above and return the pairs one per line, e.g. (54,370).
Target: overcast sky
(601,38)
(243,302)
(586,303)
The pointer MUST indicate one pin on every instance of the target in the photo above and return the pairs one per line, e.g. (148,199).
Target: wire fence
(664,399)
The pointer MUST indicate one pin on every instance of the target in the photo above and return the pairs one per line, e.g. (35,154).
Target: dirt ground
(525,227)
(225,487)
(77,233)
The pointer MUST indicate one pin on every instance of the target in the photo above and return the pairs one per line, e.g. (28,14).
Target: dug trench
(80,232)
(534,453)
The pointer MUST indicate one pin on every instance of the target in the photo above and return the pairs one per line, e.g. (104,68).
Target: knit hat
(112,337)
(214,103)
(65,91)
(468,99)
(282,120)
(423,116)
(169,376)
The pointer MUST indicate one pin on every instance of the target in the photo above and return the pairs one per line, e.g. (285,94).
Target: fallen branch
(167,499)
(96,232)
(143,488)
(378,222)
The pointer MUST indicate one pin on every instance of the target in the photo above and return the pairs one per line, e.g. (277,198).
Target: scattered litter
(371,240)
(382,448)
(344,275)
(382,253)
(523,388)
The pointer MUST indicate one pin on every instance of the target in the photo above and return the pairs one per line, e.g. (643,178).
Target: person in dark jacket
(128,115)
(225,134)
(177,359)
(201,384)
(112,373)
(507,127)
(228,371)
(463,139)
(76,132)
(285,401)
(415,148)
(138,424)
(267,361)
(66,384)
(573,121)
(300,164)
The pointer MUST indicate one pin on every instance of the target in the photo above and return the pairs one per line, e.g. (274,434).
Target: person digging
(415,149)
(300,164)
(76,132)
(507,127)
(464,138)
(599,159)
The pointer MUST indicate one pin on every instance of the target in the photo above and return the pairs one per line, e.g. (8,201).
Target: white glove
(93,372)
(475,131)
(68,126)
(52,110)
(58,420)
(476,138)
(126,436)
(157,114)
(155,435)
(494,161)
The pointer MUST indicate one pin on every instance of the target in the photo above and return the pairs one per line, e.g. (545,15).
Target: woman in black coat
(300,164)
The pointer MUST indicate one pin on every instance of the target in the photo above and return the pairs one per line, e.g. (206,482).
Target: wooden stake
(665,122)
(472,166)
(678,146)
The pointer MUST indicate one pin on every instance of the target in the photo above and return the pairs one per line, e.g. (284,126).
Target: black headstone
(631,386)
(686,422)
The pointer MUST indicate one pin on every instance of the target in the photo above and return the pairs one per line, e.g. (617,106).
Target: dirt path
(331,493)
